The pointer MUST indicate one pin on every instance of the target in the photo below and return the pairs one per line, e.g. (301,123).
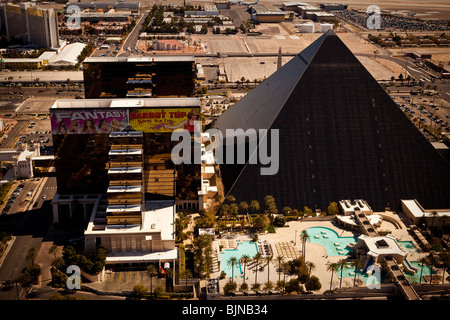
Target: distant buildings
(30,25)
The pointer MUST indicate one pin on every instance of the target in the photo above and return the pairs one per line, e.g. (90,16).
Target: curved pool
(246,247)
(330,240)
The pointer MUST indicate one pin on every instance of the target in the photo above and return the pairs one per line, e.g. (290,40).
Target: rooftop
(382,245)
(139,59)
(124,103)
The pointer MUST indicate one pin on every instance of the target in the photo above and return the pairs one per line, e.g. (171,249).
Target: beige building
(414,211)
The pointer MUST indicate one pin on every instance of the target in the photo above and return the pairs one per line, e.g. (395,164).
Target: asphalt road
(30,230)
(14,134)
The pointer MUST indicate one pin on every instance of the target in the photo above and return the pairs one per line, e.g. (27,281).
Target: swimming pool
(416,276)
(409,246)
(244,248)
(330,240)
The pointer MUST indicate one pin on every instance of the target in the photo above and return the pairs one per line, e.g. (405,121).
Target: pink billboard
(88,121)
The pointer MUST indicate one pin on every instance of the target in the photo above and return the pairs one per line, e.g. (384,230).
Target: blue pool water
(416,277)
(244,248)
(330,240)
(409,246)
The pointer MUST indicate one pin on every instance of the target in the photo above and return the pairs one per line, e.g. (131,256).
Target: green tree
(332,267)
(150,272)
(311,267)
(254,206)
(341,263)
(53,251)
(244,260)
(268,260)
(279,269)
(356,263)
(186,275)
(270,205)
(230,287)
(232,261)
(313,284)
(138,291)
(32,255)
(257,258)
(332,209)
(304,237)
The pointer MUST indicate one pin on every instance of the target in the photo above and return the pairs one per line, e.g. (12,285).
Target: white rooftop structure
(69,54)
(380,247)
(124,189)
(128,152)
(350,206)
(123,103)
(125,170)
(140,59)
(415,211)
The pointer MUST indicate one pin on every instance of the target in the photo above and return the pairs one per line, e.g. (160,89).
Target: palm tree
(422,261)
(356,264)
(254,206)
(286,267)
(433,214)
(31,255)
(311,266)
(244,260)
(151,272)
(341,263)
(231,263)
(186,275)
(332,267)
(268,260)
(54,251)
(169,275)
(257,259)
(279,270)
(304,237)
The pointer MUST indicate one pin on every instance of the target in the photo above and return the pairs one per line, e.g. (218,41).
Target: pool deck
(314,252)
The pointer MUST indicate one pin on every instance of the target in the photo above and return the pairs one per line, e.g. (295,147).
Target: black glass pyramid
(341,136)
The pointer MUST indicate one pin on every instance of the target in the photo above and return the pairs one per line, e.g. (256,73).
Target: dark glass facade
(83,160)
(122,78)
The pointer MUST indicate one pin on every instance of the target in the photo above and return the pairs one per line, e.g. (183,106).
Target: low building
(373,249)
(22,160)
(260,13)
(319,16)
(333,6)
(168,44)
(21,63)
(222,4)
(415,212)
(68,55)
(324,27)
(307,28)
(303,9)
(292,6)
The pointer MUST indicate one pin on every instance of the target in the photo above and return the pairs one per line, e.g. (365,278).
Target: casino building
(113,157)
(115,171)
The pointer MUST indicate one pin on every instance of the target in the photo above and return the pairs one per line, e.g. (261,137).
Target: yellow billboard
(163,119)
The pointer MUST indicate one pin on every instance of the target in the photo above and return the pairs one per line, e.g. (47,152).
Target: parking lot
(429,111)
(20,196)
